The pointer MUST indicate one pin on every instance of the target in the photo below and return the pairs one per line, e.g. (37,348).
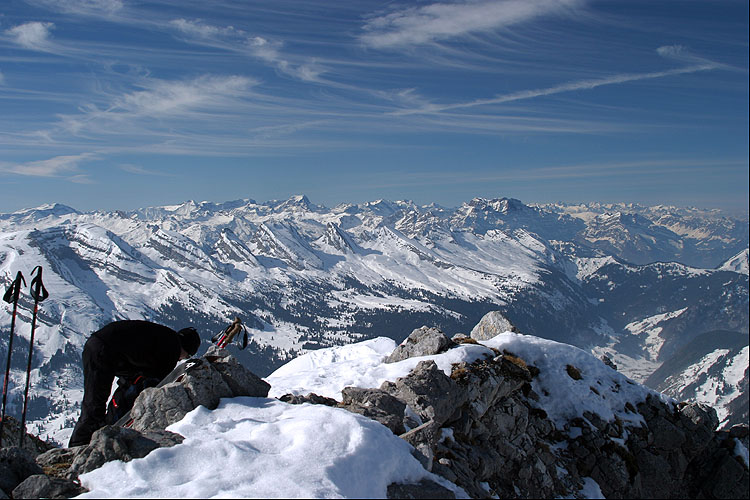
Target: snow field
(263,448)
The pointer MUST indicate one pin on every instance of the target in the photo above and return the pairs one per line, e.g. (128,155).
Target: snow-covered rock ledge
(518,416)
(511,416)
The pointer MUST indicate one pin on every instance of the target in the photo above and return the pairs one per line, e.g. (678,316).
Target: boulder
(424,438)
(118,443)
(429,392)
(492,324)
(157,408)
(421,342)
(42,486)
(16,465)
(12,436)
(376,404)
(204,385)
(699,422)
(240,380)
(311,398)
(57,461)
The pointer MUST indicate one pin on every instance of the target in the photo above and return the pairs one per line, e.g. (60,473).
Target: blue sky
(119,104)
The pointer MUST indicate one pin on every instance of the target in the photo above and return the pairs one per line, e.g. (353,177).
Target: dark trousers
(98,375)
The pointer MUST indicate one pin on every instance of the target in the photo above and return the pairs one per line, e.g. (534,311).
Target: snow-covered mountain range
(639,284)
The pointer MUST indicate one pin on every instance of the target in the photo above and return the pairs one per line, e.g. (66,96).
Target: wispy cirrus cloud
(33,35)
(198,28)
(59,166)
(239,41)
(163,100)
(139,170)
(82,7)
(444,20)
(584,84)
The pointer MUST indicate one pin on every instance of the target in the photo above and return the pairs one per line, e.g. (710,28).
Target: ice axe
(225,337)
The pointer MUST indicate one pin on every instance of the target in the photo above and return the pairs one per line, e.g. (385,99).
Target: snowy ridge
(650,328)
(304,277)
(737,264)
(328,371)
(272,449)
(717,378)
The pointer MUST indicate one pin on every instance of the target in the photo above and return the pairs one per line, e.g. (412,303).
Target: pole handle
(38,290)
(14,290)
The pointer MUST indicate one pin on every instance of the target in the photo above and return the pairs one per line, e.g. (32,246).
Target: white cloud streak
(32,35)
(587,84)
(82,7)
(239,41)
(161,100)
(197,28)
(139,170)
(164,98)
(59,166)
(438,21)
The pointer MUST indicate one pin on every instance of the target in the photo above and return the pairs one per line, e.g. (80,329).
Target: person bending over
(133,350)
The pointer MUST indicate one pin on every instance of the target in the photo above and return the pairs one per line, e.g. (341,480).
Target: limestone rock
(205,386)
(423,489)
(424,438)
(241,381)
(42,486)
(157,408)
(376,404)
(57,461)
(118,443)
(12,436)
(311,398)
(16,465)
(429,392)
(492,324)
(222,376)
(421,342)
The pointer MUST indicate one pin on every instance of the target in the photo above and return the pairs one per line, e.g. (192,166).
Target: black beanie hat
(190,340)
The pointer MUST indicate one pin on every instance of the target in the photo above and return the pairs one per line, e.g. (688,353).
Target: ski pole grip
(38,290)
(11,295)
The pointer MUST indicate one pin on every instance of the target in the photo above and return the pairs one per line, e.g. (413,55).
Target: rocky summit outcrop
(492,324)
(53,473)
(222,376)
(481,427)
(421,342)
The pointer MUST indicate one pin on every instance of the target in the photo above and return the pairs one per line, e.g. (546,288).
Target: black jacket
(137,347)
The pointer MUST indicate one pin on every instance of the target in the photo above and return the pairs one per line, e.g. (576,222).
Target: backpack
(125,395)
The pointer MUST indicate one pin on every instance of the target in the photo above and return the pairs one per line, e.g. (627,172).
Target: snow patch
(263,448)
(649,327)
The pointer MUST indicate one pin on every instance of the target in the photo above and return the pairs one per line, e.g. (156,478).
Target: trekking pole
(39,292)
(11,297)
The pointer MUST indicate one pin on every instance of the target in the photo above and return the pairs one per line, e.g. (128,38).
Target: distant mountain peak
(737,264)
(45,210)
(298,202)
